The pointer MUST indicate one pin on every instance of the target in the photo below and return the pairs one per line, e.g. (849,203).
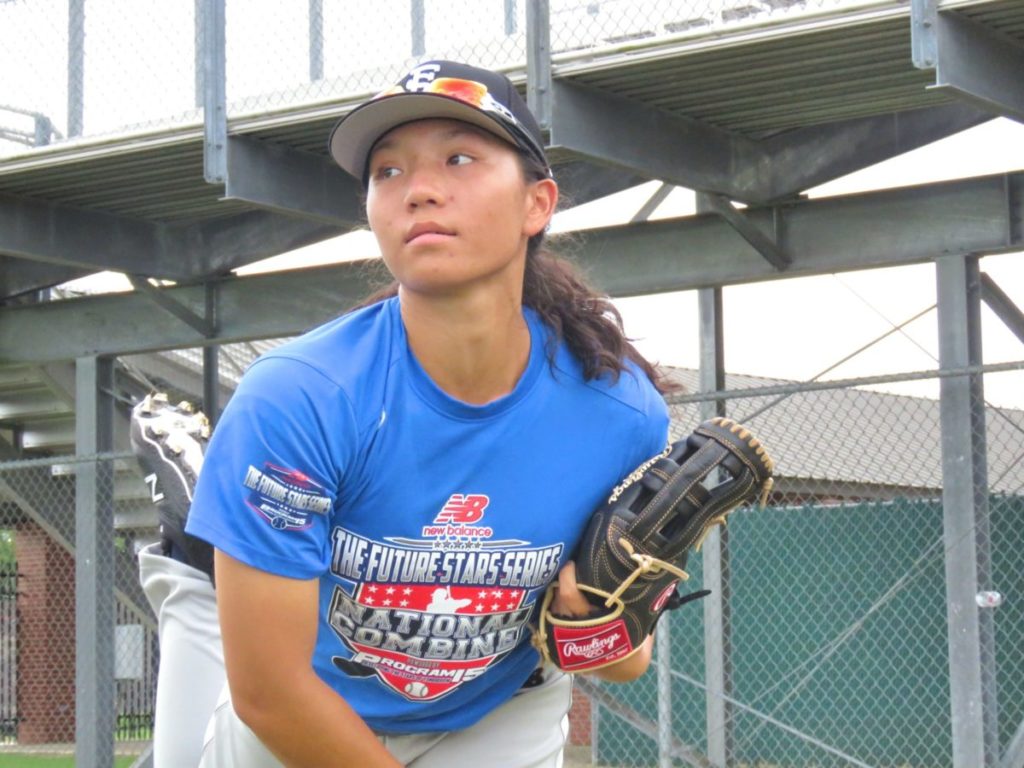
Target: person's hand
(569,600)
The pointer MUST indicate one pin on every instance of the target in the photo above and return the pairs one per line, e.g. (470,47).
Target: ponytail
(587,321)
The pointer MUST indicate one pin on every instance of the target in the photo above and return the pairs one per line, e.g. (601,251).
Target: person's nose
(424,187)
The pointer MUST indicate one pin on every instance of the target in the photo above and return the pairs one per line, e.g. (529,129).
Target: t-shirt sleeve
(653,422)
(274,468)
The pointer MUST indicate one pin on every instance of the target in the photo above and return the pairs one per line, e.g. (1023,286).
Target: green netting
(838,629)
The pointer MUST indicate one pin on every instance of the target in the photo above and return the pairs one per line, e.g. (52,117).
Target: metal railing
(89,68)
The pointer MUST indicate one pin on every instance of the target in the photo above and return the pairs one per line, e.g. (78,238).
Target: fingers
(569,600)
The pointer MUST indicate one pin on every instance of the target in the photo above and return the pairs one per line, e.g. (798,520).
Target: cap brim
(355,134)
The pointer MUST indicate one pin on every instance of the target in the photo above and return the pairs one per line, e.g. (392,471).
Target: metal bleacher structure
(746,102)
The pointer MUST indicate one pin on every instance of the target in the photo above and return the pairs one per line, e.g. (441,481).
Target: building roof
(841,441)
(831,440)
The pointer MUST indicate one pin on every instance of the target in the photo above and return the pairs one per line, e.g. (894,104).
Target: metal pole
(215,122)
(211,361)
(959,502)
(538,61)
(511,23)
(76,67)
(419,28)
(199,53)
(982,535)
(664,670)
(715,549)
(94,565)
(316,40)
(43,131)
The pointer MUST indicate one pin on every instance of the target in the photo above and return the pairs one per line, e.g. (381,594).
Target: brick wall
(46,638)
(579,719)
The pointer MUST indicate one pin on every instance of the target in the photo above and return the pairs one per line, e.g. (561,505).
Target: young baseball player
(390,494)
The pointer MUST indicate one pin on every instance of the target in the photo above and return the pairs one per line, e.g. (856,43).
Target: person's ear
(542,199)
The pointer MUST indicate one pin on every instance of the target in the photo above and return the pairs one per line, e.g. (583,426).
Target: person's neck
(474,347)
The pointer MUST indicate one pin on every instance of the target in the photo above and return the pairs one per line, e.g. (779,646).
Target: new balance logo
(463,509)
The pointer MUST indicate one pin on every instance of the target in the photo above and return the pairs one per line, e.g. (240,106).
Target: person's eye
(385,172)
(460,158)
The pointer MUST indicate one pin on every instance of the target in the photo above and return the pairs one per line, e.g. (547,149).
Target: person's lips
(428,231)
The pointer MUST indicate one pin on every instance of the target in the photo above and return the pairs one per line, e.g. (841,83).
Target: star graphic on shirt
(479,607)
(513,593)
(495,607)
(510,606)
(386,602)
(482,594)
(372,588)
(390,590)
(404,603)
(497,593)
(407,591)
(369,601)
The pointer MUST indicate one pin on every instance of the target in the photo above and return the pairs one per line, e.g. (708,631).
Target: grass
(11,760)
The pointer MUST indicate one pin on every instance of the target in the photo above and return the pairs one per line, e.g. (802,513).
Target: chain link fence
(89,68)
(833,639)
(833,629)
(38,632)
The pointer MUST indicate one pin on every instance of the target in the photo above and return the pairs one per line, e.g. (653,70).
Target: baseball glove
(169,442)
(634,551)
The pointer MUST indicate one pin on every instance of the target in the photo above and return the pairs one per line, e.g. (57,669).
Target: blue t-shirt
(433,525)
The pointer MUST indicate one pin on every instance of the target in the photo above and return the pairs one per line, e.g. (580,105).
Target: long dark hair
(586,320)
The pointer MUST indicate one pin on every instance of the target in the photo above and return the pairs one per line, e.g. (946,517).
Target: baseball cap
(437,89)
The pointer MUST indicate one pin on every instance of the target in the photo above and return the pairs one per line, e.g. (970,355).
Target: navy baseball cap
(438,89)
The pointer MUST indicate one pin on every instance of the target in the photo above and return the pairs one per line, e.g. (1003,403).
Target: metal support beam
(18,276)
(970,60)
(279,179)
(82,241)
(211,360)
(419,27)
(580,181)
(215,116)
(199,54)
(191,319)
(715,551)
(877,229)
(539,93)
(76,67)
(94,565)
(221,245)
(511,22)
(965,518)
(651,204)
(763,243)
(1003,306)
(806,157)
(316,40)
(663,667)
(621,133)
(90,240)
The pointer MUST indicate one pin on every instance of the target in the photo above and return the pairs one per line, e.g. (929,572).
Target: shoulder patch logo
(286,498)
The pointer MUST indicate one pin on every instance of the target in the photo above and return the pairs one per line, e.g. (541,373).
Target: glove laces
(644,564)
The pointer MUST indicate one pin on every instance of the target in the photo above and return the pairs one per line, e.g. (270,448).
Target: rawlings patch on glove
(634,551)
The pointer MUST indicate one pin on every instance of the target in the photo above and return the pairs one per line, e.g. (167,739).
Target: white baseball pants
(529,731)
